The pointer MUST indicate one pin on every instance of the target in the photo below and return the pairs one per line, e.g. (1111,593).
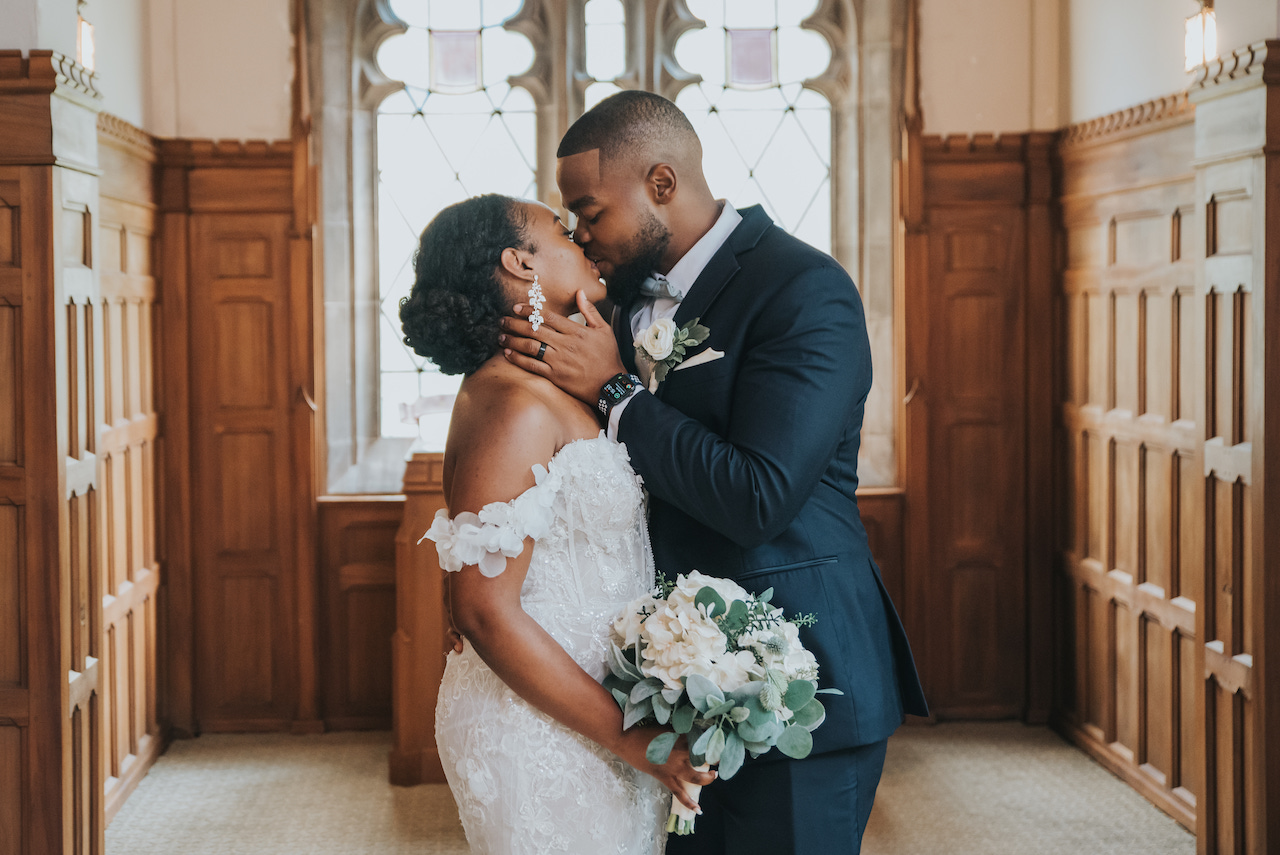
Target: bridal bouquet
(722,667)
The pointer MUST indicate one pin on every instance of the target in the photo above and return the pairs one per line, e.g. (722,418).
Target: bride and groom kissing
(712,425)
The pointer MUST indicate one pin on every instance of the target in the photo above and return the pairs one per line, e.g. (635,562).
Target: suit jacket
(751,462)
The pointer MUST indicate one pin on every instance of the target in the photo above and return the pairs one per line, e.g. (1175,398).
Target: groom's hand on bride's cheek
(579,359)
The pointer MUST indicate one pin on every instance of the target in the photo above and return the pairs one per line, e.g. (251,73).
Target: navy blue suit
(751,462)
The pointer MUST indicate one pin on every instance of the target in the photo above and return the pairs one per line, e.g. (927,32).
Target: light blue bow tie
(660,286)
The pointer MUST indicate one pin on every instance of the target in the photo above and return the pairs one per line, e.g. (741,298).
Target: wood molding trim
(1155,115)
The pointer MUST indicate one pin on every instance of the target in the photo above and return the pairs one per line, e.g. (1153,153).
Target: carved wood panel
(241,488)
(358,591)
(1132,549)
(976,230)
(127,460)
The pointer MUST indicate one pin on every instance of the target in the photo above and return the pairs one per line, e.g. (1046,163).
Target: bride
(546,543)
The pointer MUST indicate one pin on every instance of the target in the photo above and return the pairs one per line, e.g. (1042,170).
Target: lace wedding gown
(525,783)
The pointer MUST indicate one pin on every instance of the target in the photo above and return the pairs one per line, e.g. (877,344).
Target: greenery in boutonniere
(664,345)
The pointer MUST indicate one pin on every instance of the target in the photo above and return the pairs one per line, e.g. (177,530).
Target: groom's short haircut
(631,124)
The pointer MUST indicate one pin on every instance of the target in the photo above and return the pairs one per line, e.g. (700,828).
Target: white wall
(989,66)
(220,69)
(39,24)
(122,53)
(1016,65)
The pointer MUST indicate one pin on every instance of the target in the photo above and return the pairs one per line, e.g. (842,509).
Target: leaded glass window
(456,129)
(606,26)
(766,138)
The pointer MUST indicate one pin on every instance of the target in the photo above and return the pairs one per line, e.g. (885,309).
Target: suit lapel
(723,265)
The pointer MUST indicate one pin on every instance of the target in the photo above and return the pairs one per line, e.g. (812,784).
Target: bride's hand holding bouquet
(722,668)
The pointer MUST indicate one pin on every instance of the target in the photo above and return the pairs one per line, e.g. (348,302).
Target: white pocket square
(708,355)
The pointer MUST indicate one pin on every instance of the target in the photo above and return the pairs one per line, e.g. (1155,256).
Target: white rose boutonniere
(663,345)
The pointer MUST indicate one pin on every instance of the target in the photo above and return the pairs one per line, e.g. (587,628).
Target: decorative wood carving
(52,533)
(1131,510)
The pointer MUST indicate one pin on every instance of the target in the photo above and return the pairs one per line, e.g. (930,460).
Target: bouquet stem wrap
(681,819)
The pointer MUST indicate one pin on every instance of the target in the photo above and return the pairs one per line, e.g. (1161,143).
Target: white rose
(658,339)
(688,587)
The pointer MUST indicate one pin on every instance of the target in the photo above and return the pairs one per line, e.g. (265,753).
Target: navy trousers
(816,806)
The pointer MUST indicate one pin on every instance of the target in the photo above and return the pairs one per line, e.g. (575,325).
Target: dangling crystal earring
(536,300)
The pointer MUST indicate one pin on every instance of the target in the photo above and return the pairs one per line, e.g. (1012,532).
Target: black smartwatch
(616,391)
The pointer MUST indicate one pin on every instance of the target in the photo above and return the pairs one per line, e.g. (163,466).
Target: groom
(748,446)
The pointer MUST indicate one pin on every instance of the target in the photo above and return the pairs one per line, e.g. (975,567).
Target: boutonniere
(663,345)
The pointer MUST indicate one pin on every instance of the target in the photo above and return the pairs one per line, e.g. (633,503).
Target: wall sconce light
(84,43)
(1201,44)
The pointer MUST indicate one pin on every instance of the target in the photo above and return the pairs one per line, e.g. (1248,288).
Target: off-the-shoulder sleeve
(498,532)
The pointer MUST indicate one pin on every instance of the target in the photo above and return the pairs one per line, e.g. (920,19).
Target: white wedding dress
(523,782)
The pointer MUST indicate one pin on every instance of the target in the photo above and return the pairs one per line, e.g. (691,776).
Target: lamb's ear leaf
(732,756)
(703,693)
(623,667)
(660,748)
(620,698)
(634,713)
(661,709)
(646,688)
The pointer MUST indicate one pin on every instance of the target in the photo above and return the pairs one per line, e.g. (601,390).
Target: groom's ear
(661,183)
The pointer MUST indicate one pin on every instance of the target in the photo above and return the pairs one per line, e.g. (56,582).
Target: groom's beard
(643,255)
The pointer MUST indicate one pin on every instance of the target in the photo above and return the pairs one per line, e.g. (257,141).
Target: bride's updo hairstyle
(451,316)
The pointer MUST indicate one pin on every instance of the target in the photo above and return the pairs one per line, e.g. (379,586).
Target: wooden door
(974,384)
(243,530)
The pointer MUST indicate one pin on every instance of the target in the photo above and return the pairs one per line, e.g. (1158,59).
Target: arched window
(457,128)
(766,138)
(436,100)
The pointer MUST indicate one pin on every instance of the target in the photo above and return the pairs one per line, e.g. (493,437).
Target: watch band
(618,389)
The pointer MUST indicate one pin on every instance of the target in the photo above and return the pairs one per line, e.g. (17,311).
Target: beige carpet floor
(954,789)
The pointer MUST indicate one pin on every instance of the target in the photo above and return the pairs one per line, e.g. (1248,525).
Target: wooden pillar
(51,772)
(420,642)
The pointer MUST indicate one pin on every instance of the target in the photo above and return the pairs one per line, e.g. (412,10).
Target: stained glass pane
(455,61)
(765,138)
(751,58)
(457,129)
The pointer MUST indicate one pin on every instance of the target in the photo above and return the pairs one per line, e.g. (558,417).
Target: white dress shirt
(682,276)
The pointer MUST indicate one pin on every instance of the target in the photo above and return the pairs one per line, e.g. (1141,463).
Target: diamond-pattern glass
(456,130)
(765,138)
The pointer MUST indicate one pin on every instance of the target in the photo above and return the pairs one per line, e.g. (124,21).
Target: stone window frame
(865,83)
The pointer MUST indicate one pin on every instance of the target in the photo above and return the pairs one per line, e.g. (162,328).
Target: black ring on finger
(542,351)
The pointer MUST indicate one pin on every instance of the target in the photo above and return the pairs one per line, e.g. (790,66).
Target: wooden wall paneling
(50,561)
(358,592)
(127,458)
(421,636)
(238,328)
(1126,200)
(970,445)
(1238,670)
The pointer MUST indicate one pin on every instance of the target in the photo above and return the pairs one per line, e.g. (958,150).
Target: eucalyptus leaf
(660,748)
(739,714)
(703,693)
(646,688)
(682,718)
(747,691)
(754,733)
(795,742)
(715,746)
(711,599)
(810,715)
(798,693)
(757,714)
(661,709)
(757,748)
(736,617)
(732,756)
